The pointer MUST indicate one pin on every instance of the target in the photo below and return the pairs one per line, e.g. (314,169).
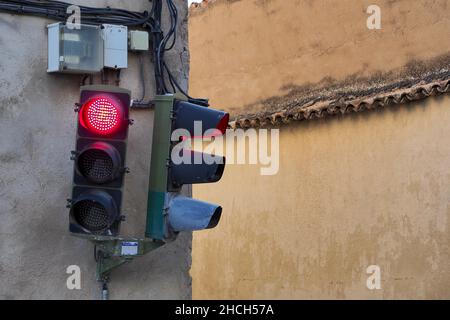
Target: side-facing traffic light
(103,122)
(169,212)
(198,122)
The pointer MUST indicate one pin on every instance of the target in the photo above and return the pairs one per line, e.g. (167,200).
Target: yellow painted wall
(245,51)
(352,191)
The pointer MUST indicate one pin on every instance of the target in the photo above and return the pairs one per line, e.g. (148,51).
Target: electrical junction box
(116,46)
(75,50)
(138,40)
(89,49)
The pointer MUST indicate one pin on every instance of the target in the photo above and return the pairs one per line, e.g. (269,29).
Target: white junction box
(88,49)
(116,46)
(138,40)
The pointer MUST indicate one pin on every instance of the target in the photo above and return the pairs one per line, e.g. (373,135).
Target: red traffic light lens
(101,115)
(223,124)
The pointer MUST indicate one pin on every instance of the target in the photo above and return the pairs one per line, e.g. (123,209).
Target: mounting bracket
(112,252)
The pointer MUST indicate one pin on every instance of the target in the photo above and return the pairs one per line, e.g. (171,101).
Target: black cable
(141,66)
(157,38)
(173,9)
(57,10)
(203,102)
(161,47)
(118,74)
(143,105)
(161,43)
(83,79)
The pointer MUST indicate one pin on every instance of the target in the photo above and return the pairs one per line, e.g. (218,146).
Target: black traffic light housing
(100,155)
(213,123)
(169,212)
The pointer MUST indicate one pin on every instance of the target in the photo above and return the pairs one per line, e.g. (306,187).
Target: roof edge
(316,110)
(197,7)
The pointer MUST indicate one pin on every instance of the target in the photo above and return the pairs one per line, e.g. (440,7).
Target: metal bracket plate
(112,252)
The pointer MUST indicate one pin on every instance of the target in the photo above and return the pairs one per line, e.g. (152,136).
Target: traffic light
(102,132)
(169,212)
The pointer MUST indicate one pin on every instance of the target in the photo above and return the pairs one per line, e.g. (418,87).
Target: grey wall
(37,133)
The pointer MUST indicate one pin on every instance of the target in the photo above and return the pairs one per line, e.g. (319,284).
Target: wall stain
(353,87)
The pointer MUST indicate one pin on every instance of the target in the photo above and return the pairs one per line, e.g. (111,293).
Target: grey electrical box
(88,49)
(75,50)
(138,40)
(116,46)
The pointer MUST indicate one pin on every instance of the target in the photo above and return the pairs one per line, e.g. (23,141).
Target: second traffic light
(103,122)
(169,212)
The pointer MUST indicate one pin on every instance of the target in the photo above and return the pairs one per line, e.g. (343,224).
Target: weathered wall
(247,51)
(37,129)
(352,191)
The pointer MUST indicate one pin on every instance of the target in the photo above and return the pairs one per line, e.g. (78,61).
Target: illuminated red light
(220,129)
(223,124)
(101,115)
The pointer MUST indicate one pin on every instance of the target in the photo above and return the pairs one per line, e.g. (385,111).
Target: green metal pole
(162,129)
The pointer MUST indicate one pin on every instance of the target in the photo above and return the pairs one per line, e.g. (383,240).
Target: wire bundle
(165,43)
(57,10)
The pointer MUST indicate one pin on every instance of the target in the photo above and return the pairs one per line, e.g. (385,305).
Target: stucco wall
(37,129)
(247,51)
(352,191)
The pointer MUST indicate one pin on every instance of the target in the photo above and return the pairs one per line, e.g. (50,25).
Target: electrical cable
(57,10)
(141,67)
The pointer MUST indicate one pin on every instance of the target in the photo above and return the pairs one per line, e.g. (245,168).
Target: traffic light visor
(186,214)
(187,115)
